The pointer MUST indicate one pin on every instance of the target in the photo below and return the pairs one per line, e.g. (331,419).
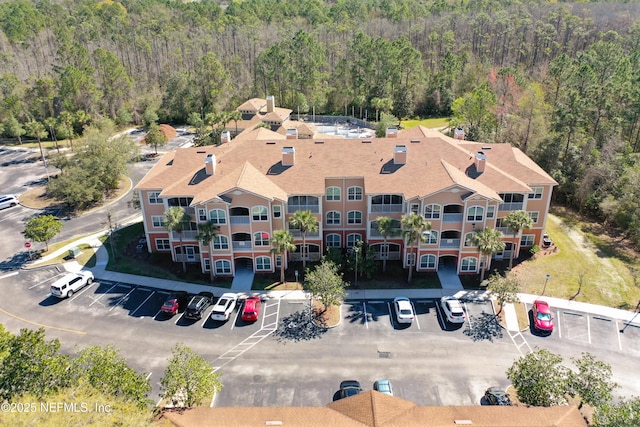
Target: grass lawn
(87,257)
(428,123)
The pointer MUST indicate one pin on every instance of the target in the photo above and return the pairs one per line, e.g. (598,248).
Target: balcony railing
(505,231)
(240,219)
(386,208)
(186,235)
(308,235)
(295,208)
(244,245)
(514,206)
(391,256)
(450,243)
(452,217)
(187,258)
(374,233)
(297,256)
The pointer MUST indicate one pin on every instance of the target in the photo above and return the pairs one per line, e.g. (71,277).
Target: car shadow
(448,326)
(483,327)
(163,317)
(213,324)
(183,321)
(50,300)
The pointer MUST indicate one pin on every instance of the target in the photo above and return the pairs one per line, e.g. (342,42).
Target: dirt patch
(328,318)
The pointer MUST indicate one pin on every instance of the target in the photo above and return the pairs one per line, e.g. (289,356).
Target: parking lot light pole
(546,279)
(356,251)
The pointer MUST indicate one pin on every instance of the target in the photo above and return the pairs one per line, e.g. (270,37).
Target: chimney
(288,156)
(292,134)
(391,133)
(400,155)
(481,161)
(458,133)
(210,164)
(225,137)
(270,103)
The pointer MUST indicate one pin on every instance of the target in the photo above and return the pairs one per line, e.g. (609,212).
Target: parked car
(404,310)
(8,201)
(224,306)
(251,309)
(349,388)
(198,305)
(452,309)
(71,283)
(175,303)
(542,318)
(383,386)
(497,396)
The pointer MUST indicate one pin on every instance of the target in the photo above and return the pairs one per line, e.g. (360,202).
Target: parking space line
(589,329)
(98,299)
(558,321)
(440,317)
(468,317)
(81,291)
(364,312)
(177,320)
(204,319)
(37,284)
(138,308)
(123,298)
(15,273)
(236,319)
(393,325)
(416,315)
(619,338)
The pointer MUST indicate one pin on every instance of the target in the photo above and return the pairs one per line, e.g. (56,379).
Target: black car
(349,388)
(198,305)
(496,396)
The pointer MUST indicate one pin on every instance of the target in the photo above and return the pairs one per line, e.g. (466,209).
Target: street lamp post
(546,279)
(356,251)
(296,273)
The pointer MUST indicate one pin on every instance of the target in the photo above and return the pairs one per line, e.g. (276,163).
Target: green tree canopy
(176,219)
(155,137)
(325,283)
(505,290)
(489,242)
(281,243)
(516,221)
(540,379)
(42,229)
(413,228)
(306,223)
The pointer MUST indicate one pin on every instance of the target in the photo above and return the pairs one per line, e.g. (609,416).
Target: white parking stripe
(468,317)
(441,317)
(177,320)
(619,338)
(147,299)
(39,283)
(364,313)
(98,299)
(390,315)
(589,329)
(122,299)
(415,314)
(15,273)
(83,290)
(558,321)
(236,319)
(148,376)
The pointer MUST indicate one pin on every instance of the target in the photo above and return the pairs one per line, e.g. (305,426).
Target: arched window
(218,216)
(431,237)
(223,266)
(263,263)
(468,239)
(475,213)
(261,238)
(333,218)
(354,193)
(259,213)
(354,217)
(333,241)
(432,211)
(352,239)
(220,242)
(469,264)
(428,262)
(333,194)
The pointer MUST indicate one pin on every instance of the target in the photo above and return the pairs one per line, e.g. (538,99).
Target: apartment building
(251,185)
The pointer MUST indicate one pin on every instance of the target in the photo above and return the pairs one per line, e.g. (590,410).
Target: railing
(298,233)
(186,235)
(187,258)
(391,256)
(373,232)
(242,245)
(311,208)
(297,256)
(452,217)
(505,231)
(240,219)
(450,243)
(386,208)
(514,206)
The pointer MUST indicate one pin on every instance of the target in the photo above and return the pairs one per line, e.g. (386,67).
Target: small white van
(8,201)
(70,283)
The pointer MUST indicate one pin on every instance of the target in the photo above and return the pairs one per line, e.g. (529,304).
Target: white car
(8,201)
(404,309)
(224,306)
(452,309)
(71,283)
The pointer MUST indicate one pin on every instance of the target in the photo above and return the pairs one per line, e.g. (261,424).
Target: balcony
(314,209)
(240,219)
(186,235)
(386,208)
(452,217)
(450,243)
(188,258)
(239,245)
(507,207)
(391,256)
(308,235)
(505,231)
(297,256)
(375,234)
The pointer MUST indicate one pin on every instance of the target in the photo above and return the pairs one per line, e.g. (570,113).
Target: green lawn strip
(428,123)
(87,257)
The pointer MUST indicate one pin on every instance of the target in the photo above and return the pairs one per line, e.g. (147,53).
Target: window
(220,242)
(259,213)
(411,259)
(352,239)
(278,261)
(261,238)
(263,263)
(202,215)
(469,264)
(333,218)
(277,211)
(527,240)
(223,266)
(154,198)
(468,239)
(333,241)
(431,237)
(387,199)
(511,197)
(428,262)
(163,245)
(183,202)
(415,208)
(333,194)
(218,216)
(207,264)
(354,193)
(354,217)
(536,194)
(157,221)
(534,216)
(432,211)
(475,213)
(491,211)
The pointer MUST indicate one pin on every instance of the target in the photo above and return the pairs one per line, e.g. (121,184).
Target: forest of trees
(560,80)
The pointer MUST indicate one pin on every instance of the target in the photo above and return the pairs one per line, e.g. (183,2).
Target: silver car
(8,201)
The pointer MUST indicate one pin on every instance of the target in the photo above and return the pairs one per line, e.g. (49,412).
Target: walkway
(449,278)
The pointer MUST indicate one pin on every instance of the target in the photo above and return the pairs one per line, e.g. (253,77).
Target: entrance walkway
(449,278)
(243,280)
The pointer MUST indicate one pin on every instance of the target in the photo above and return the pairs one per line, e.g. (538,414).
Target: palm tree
(488,241)
(386,227)
(174,220)
(36,129)
(413,228)
(68,119)
(235,115)
(516,221)
(208,232)
(306,222)
(281,243)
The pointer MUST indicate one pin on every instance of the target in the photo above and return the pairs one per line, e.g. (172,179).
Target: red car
(542,318)
(251,309)
(174,303)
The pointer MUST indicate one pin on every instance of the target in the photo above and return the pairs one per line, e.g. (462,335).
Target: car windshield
(405,311)
(544,316)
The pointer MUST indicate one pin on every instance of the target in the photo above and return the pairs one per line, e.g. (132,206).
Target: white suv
(8,201)
(70,283)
